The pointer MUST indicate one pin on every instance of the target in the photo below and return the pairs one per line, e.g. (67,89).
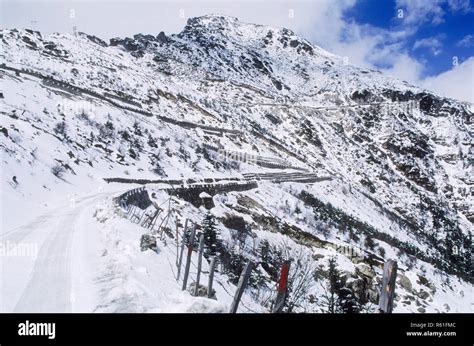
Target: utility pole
(387,291)
(198,275)
(211,277)
(244,278)
(282,287)
(177,240)
(188,260)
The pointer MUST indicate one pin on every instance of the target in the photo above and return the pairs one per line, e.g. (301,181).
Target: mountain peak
(210,23)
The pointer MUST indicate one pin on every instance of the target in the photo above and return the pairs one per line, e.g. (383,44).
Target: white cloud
(418,12)
(457,83)
(405,68)
(432,43)
(421,11)
(467,41)
(460,5)
(368,46)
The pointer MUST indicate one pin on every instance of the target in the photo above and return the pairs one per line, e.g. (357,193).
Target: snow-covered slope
(76,110)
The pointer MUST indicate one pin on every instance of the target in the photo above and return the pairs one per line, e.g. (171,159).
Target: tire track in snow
(16,235)
(49,287)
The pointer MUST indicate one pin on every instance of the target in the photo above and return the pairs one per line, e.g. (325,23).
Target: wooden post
(182,248)
(282,287)
(136,216)
(211,277)
(198,275)
(177,240)
(180,259)
(149,221)
(143,215)
(387,291)
(152,225)
(188,260)
(132,211)
(244,278)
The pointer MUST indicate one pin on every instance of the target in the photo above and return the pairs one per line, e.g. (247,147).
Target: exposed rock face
(202,290)
(147,241)
(365,270)
(162,38)
(96,40)
(404,282)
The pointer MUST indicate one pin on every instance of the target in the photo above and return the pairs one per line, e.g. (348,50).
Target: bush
(58,171)
(235,222)
(212,239)
(60,128)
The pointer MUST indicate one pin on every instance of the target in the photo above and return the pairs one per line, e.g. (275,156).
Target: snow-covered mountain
(232,101)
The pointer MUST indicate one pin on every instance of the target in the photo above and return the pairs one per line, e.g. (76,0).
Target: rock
(202,290)
(421,310)
(4,131)
(365,270)
(158,58)
(404,282)
(29,43)
(138,54)
(422,294)
(425,282)
(357,258)
(374,295)
(317,256)
(115,41)
(130,44)
(97,40)
(422,280)
(147,241)
(162,37)
(361,95)
(50,45)
(142,37)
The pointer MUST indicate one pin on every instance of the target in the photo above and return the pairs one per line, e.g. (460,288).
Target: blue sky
(430,45)
(438,40)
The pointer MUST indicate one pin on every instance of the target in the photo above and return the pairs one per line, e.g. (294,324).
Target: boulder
(162,38)
(365,270)
(404,282)
(422,294)
(147,241)
(202,290)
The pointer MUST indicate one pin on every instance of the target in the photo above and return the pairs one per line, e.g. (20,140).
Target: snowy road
(48,274)
(84,257)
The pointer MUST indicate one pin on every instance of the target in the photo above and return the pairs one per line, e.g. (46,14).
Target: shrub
(60,128)
(58,170)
